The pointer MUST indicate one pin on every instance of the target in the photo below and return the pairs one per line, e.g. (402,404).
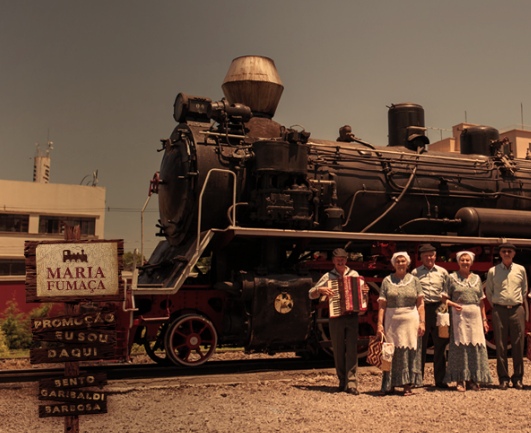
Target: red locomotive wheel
(190,340)
(155,347)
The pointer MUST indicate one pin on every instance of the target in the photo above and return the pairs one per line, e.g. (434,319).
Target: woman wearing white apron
(468,362)
(401,319)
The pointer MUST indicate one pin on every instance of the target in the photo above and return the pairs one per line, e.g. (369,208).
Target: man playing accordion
(343,328)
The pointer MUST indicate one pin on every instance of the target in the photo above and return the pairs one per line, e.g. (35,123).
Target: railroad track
(147,371)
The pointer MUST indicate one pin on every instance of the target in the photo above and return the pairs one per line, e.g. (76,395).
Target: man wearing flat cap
(506,290)
(344,328)
(433,279)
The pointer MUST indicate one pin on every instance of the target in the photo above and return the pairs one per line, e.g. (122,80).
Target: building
(38,211)
(520,141)
(519,138)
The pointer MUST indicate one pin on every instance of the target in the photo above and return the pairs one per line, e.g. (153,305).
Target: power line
(43,209)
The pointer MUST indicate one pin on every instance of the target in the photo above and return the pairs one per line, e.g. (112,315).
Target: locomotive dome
(254,81)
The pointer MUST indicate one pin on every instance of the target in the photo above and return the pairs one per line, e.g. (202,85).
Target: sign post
(79,274)
(71,368)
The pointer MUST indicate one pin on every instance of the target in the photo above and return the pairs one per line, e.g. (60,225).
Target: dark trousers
(344,337)
(439,344)
(509,323)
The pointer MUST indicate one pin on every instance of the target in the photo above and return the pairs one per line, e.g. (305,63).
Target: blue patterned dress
(401,325)
(467,358)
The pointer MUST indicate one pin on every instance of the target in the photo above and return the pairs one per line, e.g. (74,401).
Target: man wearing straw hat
(433,279)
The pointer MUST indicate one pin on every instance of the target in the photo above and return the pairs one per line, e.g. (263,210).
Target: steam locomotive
(250,210)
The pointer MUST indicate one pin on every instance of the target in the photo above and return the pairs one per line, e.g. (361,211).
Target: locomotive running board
(196,249)
(385,237)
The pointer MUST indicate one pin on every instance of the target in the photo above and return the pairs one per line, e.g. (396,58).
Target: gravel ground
(278,402)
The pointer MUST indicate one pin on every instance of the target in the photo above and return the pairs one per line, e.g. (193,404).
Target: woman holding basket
(401,320)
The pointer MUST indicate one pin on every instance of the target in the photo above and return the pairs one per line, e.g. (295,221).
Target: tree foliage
(16,325)
(129,259)
(4,350)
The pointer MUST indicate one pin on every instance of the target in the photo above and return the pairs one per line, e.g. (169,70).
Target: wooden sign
(72,409)
(94,320)
(66,271)
(76,401)
(79,337)
(72,353)
(72,395)
(80,381)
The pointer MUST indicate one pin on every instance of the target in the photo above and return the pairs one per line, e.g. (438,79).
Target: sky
(98,78)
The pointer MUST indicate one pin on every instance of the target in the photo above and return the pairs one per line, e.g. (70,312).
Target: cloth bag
(443,324)
(380,352)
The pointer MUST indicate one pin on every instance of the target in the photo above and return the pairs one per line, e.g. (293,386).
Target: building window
(53,225)
(12,267)
(14,223)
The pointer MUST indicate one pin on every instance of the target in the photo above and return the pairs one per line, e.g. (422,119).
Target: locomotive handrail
(201,242)
(142,228)
(200,206)
(488,162)
(394,152)
(217,134)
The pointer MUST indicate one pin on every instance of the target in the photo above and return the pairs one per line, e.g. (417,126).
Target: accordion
(348,296)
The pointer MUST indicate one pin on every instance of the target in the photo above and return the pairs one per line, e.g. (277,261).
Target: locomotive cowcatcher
(250,211)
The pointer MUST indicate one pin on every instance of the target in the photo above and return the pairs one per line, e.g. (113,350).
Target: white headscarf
(470,253)
(400,253)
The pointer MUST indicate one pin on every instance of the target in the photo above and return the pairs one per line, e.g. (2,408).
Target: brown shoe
(474,386)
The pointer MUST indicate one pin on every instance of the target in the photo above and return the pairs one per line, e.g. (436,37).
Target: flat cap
(339,252)
(507,246)
(424,248)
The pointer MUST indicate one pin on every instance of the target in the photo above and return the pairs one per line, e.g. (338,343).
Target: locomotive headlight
(216,110)
(221,111)
(187,107)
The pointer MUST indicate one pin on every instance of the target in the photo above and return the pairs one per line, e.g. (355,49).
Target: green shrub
(16,325)
(4,350)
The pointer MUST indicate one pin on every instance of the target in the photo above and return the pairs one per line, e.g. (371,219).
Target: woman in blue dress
(401,320)
(468,362)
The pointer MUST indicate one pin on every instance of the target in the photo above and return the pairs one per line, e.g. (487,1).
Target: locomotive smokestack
(254,81)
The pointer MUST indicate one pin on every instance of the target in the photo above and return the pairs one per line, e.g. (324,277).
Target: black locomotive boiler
(250,209)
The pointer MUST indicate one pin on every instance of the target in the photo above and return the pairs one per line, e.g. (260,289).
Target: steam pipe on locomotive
(238,273)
